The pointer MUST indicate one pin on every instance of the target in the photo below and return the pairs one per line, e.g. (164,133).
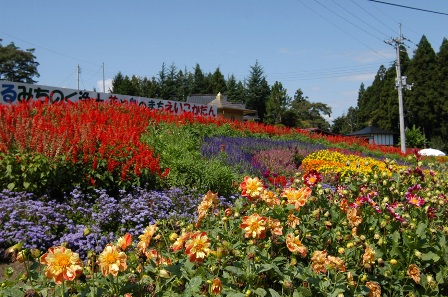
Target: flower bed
(346,224)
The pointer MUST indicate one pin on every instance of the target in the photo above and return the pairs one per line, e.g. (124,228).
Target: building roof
(220,101)
(369,130)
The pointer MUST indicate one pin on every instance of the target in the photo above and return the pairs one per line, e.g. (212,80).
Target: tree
(200,84)
(442,82)
(17,65)
(277,104)
(347,123)
(258,91)
(310,114)
(218,83)
(124,85)
(420,103)
(235,91)
(414,138)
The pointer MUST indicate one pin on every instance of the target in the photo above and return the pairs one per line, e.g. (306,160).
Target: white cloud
(107,83)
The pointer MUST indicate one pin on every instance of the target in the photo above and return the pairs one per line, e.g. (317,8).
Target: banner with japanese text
(14,92)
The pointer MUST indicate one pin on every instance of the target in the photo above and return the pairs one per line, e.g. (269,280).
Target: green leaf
(302,292)
(421,230)
(263,267)
(11,186)
(274,293)
(236,295)
(235,270)
(26,185)
(260,292)
(430,256)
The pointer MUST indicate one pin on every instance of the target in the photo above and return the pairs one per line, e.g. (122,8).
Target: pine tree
(442,83)
(277,104)
(218,83)
(235,91)
(258,91)
(420,104)
(200,85)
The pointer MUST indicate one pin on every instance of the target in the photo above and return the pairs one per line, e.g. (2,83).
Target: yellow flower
(112,261)
(414,273)
(198,247)
(270,197)
(295,245)
(62,264)
(254,226)
(145,238)
(297,197)
(251,188)
(375,289)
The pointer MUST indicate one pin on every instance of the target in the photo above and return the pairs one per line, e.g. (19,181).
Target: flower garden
(109,199)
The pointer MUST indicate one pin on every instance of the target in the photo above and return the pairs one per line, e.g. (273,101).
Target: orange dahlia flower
(297,197)
(254,226)
(62,264)
(145,238)
(251,188)
(414,273)
(198,246)
(124,242)
(112,261)
(295,245)
(354,216)
(319,261)
(375,289)
(179,244)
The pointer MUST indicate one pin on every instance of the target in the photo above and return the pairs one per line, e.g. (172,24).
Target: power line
(342,29)
(50,50)
(359,18)
(348,20)
(404,6)
(372,15)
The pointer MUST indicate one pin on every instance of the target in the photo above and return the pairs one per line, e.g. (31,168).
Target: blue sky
(327,48)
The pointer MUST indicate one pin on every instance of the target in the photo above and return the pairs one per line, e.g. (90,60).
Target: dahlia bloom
(62,264)
(312,178)
(354,216)
(254,226)
(319,261)
(414,273)
(124,242)
(297,197)
(197,247)
(375,289)
(112,261)
(295,245)
(251,188)
(145,238)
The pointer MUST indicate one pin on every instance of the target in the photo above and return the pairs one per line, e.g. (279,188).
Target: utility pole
(400,83)
(78,70)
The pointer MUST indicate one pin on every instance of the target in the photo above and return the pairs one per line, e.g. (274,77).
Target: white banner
(14,92)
